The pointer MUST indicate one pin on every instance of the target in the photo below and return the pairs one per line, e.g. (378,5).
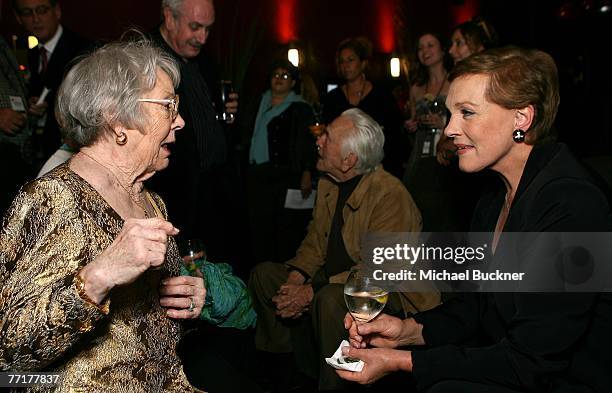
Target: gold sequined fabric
(56,225)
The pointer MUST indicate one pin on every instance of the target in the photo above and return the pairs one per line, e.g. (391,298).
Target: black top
(192,183)
(201,143)
(381,106)
(338,260)
(528,341)
(290,143)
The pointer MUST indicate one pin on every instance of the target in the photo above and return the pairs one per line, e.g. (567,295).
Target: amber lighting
(394,66)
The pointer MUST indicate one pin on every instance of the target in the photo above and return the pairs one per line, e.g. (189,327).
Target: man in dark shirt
(47,63)
(197,185)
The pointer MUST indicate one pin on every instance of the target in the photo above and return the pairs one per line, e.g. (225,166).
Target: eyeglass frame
(282,75)
(39,11)
(172,104)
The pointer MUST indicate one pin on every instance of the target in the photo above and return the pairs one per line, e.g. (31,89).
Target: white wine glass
(363,295)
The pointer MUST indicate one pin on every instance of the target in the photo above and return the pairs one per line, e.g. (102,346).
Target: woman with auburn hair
(503,104)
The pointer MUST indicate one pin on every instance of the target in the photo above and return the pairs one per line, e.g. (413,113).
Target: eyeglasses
(171,104)
(283,76)
(29,12)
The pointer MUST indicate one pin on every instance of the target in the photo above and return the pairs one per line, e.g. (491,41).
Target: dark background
(249,34)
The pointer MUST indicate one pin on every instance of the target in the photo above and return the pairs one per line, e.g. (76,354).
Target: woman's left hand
(182,296)
(378,363)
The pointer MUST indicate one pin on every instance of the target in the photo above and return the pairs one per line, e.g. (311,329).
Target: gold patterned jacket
(56,225)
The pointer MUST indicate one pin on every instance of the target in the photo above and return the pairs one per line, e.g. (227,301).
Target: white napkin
(340,361)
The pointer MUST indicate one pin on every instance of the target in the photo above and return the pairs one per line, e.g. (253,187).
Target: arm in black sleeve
(544,330)
(453,322)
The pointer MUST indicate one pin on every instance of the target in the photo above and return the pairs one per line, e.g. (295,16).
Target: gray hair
(174,6)
(103,88)
(366,141)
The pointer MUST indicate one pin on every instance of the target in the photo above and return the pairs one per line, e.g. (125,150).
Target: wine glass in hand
(364,297)
(194,250)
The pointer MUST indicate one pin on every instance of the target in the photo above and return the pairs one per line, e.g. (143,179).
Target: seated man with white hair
(301,301)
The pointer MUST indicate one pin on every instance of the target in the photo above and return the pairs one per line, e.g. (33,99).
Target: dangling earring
(518,136)
(121,139)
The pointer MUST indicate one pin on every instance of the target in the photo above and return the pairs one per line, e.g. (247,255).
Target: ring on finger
(191,305)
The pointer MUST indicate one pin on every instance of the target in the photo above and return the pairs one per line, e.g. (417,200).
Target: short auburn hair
(518,78)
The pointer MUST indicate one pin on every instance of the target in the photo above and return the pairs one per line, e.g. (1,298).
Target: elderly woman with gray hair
(88,265)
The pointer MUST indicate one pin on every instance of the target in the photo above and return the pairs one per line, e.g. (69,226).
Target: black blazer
(532,342)
(68,47)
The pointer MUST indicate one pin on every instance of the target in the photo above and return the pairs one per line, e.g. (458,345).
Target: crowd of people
(96,286)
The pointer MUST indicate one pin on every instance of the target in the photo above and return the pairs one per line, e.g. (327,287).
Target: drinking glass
(364,297)
(193,250)
(225,89)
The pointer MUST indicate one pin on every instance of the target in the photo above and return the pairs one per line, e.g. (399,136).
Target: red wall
(316,25)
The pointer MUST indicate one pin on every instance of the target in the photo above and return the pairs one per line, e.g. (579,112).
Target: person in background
(357,91)
(503,103)
(468,38)
(14,128)
(199,186)
(300,304)
(430,184)
(282,156)
(427,94)
(47,64)
(89,268)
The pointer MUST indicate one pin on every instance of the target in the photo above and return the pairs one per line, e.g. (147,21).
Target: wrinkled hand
(378,363)
(178,293)
(293,300)
(384,331)
(140,245)
(36,110)
(11,121)
(445,150)
(306,184)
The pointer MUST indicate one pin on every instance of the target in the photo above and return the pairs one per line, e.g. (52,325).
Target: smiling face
(150,148)
(39,18)
(187,32)
(350,65)
(482,130)
(430,50)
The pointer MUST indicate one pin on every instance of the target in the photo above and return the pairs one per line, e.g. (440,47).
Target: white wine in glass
(364,298)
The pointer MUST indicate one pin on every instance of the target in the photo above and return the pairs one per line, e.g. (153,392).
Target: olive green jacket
(379,203)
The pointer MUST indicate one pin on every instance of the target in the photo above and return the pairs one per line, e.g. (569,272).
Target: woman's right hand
(384,331)
(140,245)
